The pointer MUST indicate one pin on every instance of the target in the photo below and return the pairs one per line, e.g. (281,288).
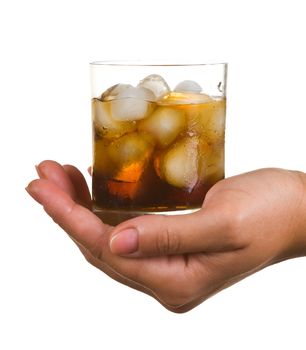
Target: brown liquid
(164,162)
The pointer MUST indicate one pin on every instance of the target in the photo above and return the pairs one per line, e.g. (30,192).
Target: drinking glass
(158,136)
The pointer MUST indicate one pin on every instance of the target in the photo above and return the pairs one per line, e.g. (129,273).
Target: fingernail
(125,242)
(28,188)
(31,190)
(39,171)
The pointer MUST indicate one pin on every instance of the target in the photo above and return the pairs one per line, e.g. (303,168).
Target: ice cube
(156,84)
(130,154)
(180,98)
(207,119)
(136,92)
(132,104)
(105,125)
(216,124)
(188,86)
(179,164)
(164,124)
(112,92)
(205,158)
(212,164)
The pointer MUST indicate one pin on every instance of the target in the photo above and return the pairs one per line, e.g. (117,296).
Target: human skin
(247,222)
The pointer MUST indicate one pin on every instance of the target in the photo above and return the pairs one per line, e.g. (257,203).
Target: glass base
(115,217)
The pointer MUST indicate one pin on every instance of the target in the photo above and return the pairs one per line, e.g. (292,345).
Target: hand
(247,222)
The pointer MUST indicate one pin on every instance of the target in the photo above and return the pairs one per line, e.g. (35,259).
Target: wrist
(302,214)
(297,234)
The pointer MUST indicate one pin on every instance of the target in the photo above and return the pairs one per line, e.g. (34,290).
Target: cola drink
(155,150)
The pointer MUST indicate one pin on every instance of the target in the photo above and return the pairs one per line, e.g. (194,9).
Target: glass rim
(156,63)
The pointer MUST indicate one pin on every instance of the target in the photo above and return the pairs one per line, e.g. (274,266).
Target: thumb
(155,235)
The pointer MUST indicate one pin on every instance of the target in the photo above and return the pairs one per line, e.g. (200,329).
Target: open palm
(246,223)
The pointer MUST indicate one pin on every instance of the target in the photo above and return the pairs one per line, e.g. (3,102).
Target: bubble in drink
(214,170)
(188,86)
(205,159)
(216,124)
(208,119)
(156,84)
(132,104)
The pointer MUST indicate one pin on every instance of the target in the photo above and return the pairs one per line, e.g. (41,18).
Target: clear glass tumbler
(158,137)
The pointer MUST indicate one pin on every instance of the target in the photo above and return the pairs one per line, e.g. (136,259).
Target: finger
(92,235)
(88,230)
(79,222)
(59,207)
(153,235)
(89,169)
(54,172)
(79,183)
(68,178)
(148,275)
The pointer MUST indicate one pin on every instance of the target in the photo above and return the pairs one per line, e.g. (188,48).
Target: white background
(50,298)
